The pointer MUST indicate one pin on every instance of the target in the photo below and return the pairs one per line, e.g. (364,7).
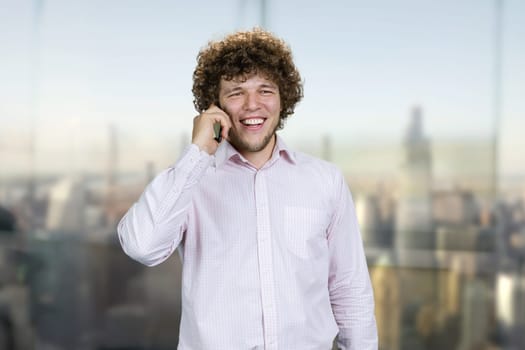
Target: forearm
(350,288)
(346,339)
(354,314)
(352,301)
(153,227)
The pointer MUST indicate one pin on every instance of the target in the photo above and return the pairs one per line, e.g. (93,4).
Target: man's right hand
(203,133)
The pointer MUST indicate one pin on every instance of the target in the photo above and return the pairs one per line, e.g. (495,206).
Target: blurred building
(459,223)
(510,279)
(15,323)
(510,308)
(384,276)
(455,207)
(375,214)
(433,289)
(476,319)
(414,207)
(66,206)
(7,220)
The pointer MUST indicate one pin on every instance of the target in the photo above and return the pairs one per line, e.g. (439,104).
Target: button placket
(264,248)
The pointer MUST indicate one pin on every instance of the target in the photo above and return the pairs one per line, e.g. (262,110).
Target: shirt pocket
(305,231)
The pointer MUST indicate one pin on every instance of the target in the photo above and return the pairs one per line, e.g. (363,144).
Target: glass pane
(419,103)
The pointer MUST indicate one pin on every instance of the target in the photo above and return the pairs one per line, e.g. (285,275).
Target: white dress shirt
(272,258)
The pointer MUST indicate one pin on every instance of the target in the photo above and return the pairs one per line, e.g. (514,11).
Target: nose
(251,101)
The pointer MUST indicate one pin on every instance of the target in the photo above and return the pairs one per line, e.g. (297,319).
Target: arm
(153,227)
(349,283)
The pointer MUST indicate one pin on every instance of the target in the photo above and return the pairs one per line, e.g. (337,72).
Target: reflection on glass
(446,256)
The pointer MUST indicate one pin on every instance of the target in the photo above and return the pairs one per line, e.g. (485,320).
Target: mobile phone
(217,128)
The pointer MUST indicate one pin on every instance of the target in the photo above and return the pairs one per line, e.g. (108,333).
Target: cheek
(276,107)
(236,106)
(277,103)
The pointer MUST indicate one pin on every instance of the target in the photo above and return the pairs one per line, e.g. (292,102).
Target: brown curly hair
(241,54)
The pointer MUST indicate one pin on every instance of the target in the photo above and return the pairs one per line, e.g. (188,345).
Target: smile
(252,121)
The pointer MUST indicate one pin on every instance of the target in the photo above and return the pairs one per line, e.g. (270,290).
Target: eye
(267,92)
(234,94)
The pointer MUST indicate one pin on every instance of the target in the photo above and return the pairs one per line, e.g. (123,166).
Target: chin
(251,145)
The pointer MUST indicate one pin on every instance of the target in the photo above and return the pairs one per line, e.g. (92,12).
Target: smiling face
(253,105)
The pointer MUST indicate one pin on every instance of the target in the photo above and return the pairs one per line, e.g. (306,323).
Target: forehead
(255,79)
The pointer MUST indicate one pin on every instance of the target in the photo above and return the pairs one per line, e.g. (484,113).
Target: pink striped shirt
(272,258)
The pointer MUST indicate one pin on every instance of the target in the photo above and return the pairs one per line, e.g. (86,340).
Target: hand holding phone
(209,128)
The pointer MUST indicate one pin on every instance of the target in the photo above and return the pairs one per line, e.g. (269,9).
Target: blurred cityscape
(446,260)
(443,227)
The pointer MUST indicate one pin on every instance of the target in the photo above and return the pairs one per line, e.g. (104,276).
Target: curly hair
(241,54)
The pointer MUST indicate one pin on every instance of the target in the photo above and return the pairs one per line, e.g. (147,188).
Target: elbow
(142,256)
(141,250)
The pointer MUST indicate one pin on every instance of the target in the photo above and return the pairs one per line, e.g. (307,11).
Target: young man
(271,250)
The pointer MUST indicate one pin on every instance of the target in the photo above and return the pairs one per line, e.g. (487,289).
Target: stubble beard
(243,146)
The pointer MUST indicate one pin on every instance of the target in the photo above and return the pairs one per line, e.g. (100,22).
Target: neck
(258,159)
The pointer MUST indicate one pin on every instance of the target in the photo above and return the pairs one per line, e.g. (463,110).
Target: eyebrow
(227,91)
(271,86)
(263,86)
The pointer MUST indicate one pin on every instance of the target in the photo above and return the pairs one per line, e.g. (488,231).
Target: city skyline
(127,64)
(406,97)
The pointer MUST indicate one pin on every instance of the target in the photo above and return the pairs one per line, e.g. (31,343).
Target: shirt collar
(226,152)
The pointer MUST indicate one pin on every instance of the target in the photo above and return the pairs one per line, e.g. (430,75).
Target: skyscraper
(414,214)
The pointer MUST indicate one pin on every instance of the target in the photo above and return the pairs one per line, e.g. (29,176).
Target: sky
(80,66)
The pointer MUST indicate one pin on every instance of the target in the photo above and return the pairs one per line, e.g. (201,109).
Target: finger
(226,126)
(220,116)
(224,123)
(226,131)
(213,109)
(216,110)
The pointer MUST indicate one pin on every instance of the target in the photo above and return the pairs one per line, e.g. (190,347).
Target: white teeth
(253,121)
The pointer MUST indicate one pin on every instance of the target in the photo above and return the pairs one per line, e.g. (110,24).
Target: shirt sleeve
(349,283)
(153,227)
